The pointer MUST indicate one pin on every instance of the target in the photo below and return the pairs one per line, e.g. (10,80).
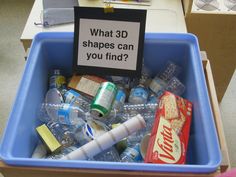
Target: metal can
(57,80)
(102,102)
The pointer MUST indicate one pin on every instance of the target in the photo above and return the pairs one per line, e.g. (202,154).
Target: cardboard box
(216,34)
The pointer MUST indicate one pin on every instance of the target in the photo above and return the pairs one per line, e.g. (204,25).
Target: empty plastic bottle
(131,154)
(82,134)
(110,155)
(71,96)
(171,70)
(62,153)
(145,78)
(57,80)
(175,86)
(157,86)
(119,80)
(129,110)
(119,99)
(64,134)
(40,151)
(153,98)
(90,131)
(138,95)
(69,114)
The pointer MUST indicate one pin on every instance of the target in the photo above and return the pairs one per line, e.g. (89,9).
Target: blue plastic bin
(55,50)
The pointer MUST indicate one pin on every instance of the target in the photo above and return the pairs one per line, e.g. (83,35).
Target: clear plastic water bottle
(53,96)
(110,155)
(131,154)
(62,153)
(119,99)
(119,80)
(146,110)
(138,136)
(129,110)
(175,86)
(171,70)
(90,131)
(69,114)
(71,96)
(71,135)
(57,80)
(152,99)
(64,134)
(157,86)
(145,76)
(138,95)
(40,151)
(134,138)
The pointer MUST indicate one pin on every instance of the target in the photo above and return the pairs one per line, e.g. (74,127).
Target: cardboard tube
(107,140)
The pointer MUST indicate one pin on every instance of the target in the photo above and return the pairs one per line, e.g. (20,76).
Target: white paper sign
(108,43)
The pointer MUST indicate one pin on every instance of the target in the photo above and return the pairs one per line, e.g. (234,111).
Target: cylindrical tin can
(102,102)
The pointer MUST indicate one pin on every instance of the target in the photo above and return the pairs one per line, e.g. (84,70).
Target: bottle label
(139,93)
(152,99)
(120,96)
(57,81)
(133,153)
(63,114)
(88,132)
(70,96)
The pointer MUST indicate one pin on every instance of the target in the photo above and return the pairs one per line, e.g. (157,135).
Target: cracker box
(170,133)
(87,84)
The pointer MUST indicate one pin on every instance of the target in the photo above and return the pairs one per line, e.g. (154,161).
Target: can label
(70,96)
(133,153)
(104,97)
(57,81)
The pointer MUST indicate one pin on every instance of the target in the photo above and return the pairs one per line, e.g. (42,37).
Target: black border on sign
(128,15)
